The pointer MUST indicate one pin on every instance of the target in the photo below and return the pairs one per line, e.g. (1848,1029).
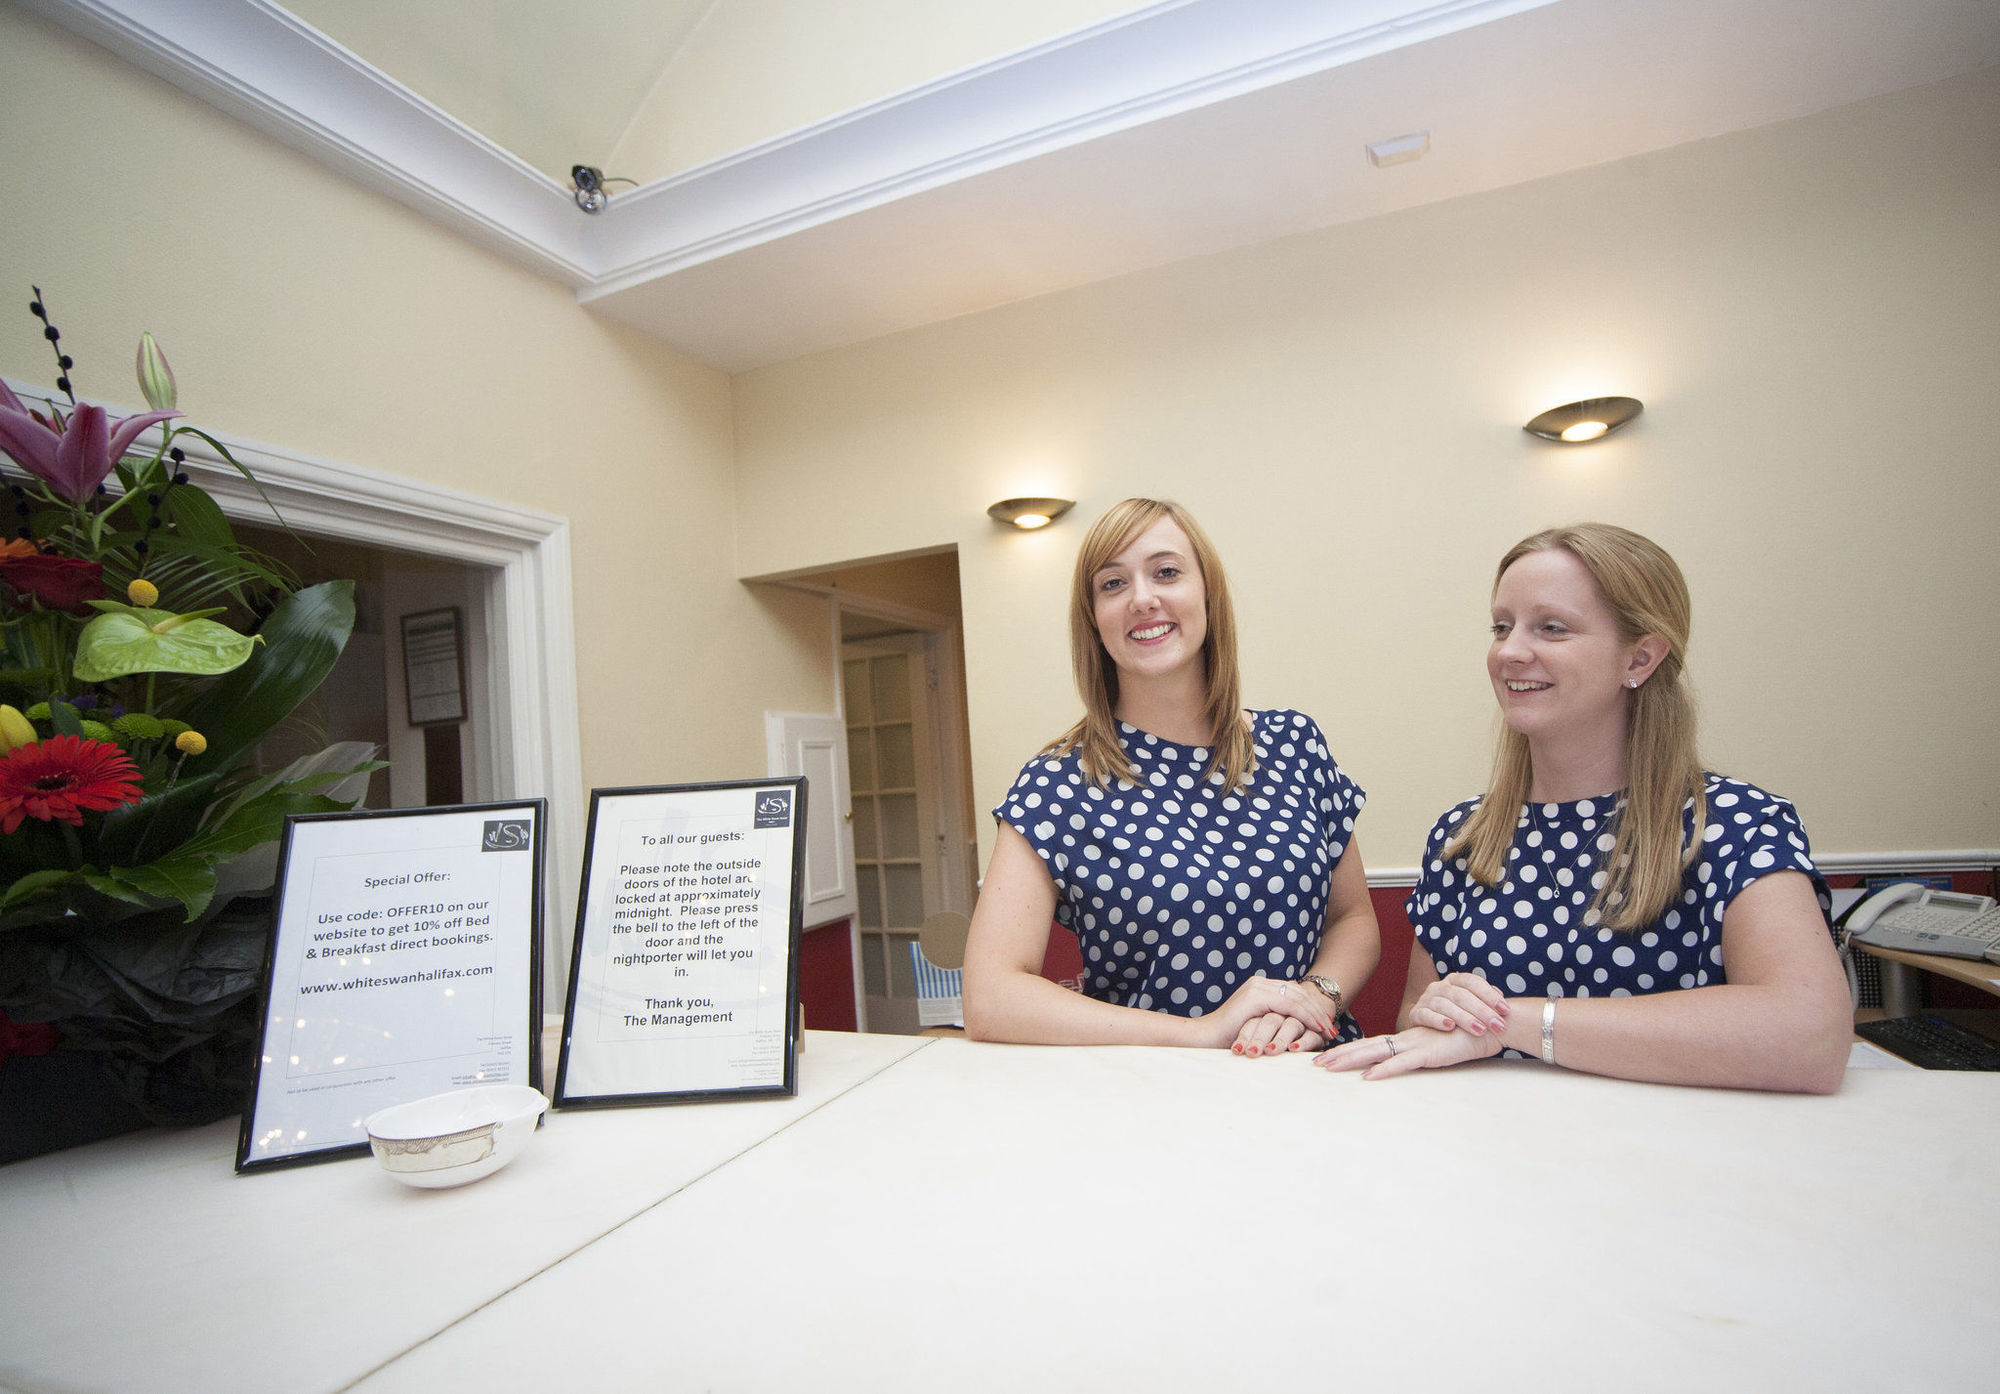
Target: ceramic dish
(450,1139)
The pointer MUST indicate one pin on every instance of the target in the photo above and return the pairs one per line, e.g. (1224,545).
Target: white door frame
(944,658)
(785,734)
(536,749)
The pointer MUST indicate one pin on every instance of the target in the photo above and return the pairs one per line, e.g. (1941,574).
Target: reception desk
(945,1215)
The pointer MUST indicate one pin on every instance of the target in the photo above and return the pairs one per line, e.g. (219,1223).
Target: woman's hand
(1274,1034)
(1413,1048)
(1461,1001)
(1265,997)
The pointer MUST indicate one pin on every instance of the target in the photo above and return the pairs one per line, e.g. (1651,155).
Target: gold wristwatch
(1330,988)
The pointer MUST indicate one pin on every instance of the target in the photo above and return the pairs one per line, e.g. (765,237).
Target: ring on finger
(1390,1041)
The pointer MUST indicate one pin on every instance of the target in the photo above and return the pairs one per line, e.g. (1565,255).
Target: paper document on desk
(1864,1055)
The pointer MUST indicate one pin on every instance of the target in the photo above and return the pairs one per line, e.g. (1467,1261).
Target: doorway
(519,558)
(899,678)
(365,697)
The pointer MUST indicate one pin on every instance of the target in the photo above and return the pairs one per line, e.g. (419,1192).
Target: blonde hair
(1095,738)
(1642,876)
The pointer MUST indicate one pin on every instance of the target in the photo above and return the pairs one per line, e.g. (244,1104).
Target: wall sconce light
(1028,514)
(1587,420)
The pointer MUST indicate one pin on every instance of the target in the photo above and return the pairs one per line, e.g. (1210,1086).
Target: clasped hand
(1456,1019)
(1268,1016)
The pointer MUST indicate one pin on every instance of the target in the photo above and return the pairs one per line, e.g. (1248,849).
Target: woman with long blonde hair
(1202,854)
(1674,914)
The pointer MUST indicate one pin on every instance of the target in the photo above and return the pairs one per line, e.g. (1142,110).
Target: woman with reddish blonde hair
(1203,854)
(1674,914)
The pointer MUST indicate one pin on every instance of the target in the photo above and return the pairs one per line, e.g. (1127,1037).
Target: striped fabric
(938,989)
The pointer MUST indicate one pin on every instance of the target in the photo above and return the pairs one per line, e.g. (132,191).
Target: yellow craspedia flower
(143,593)
(190,742)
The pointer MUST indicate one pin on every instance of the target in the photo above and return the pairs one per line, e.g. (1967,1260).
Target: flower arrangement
(131,811)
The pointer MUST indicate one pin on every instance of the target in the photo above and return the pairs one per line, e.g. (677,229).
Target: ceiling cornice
(260,63)
(1125,72)
(1180,129)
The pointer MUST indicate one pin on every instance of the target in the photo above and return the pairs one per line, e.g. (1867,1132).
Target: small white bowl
(450,1139)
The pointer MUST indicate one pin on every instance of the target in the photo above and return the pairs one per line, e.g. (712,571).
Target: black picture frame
(501,834)
(445,619)
(591,925)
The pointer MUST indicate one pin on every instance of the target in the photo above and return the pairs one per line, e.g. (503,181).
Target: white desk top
(145,1263)
(947,1215)
(985,1217)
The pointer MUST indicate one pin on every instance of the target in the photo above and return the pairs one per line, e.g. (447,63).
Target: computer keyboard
(1932,1042)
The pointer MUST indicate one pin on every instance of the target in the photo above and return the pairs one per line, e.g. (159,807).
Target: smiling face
(1151,607)
(1558,663)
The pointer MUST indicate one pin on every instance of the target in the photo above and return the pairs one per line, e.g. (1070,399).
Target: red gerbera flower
(61,777)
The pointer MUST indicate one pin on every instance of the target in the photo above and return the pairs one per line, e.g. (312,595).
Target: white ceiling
(554,83)
(1184,128)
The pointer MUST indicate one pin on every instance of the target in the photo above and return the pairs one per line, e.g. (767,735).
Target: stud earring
(1631,682)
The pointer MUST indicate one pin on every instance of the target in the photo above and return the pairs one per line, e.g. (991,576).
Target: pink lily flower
(75,456)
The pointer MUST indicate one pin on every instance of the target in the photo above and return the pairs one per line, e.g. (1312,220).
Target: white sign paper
(404,965)
(685,971)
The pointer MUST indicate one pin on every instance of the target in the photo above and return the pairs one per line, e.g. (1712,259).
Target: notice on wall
(405,962)
(684,980)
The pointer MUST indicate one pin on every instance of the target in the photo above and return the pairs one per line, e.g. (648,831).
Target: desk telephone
(1917,919)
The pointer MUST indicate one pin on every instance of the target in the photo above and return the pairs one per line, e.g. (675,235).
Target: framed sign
(405,962)
(684,982)
(434,666)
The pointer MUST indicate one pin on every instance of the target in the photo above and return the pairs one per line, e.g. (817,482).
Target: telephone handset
(1917,919)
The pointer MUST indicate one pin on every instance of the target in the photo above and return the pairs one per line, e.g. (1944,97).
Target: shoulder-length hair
(1642,876)
(1095,738)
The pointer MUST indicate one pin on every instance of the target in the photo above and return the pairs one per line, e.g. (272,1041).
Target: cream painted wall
(755,69)
(920,583)
(1811,312)
(302,310)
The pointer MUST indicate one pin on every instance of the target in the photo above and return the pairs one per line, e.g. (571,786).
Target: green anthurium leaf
(302,640)
(116,645)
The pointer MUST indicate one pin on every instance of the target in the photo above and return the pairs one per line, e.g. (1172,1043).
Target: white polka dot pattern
(1179,892)
(1536,935)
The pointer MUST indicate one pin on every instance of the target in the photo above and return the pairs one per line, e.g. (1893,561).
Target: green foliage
(126,640)
(171,670)
(140,929)
(302,641)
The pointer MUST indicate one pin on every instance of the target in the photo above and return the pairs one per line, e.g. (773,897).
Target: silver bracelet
(1549,1031)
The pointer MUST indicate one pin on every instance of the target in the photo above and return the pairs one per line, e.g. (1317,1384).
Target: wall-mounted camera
(589,181)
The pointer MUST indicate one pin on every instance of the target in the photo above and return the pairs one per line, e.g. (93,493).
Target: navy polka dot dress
(1535,934)
(1177,891)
